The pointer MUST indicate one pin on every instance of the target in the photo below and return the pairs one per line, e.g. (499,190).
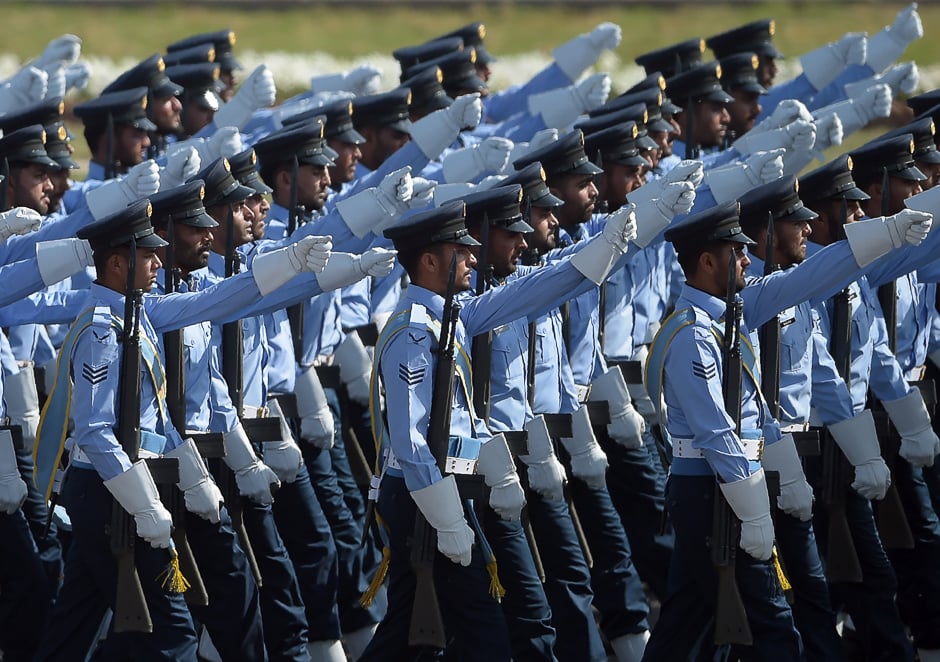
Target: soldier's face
(711,123)
(768,71)
(663,140)
(30,186)
(227,76)
(621,180)
(130,146)
(932,170)
(313,186)
(743,111)
(191,248)
(544,224)
(720,261)
(899,190)
(349,156)
(196,118)
(438,262)
(579,195)
(827,228)
(60,184)
(259,206)
(148,262)
(242,219)
(167,114)
(790,242)
(505,249)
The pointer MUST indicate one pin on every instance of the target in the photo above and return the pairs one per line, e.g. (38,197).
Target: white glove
(361,81)
(653,217)
(437,131)
(316,420)
(546,474)
(520,149)
(796,496)
(55,83)
(377,207)
(60,52)
(22,401)
(12,486)
(799,135)
(182,164)
(856,113)
(823,65)
(829,133)
(786,112)
(19,220)
(560,107)
(890,43)
(355,368)
(858,440)
(919,443)
(469,163)
(226,141)
(308,255)
(284,458)
(588,461)
(926,201)
(729,182)
(691,171)
(25,88)
(749,500)
(200,492)
(440,504)
(600,252)
(141,181)
(499,472)
(902,78)
(253,477)
(871,238)
(626,425)
(60,258)
(576,55)
(77,76)
(137,493)
(258,91)
(345,268)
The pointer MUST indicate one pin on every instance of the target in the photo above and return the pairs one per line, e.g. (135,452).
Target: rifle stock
(731,625)
(427,625)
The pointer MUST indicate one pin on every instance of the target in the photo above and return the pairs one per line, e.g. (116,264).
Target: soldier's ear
(282,179)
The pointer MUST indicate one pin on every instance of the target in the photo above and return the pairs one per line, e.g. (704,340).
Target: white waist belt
(453,465)
(753,449)
(76,454)
(795,427)
(255,412)
(584,392)
(916,374)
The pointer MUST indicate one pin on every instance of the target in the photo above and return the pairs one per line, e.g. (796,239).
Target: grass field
(319,39)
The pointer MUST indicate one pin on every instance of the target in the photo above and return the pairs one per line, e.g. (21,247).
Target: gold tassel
(496,588)
(368,597)
(782,578)
(172,578)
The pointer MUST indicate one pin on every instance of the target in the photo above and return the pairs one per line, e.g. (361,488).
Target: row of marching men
(247,284)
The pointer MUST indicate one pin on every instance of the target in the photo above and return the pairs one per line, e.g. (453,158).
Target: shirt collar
(712,305)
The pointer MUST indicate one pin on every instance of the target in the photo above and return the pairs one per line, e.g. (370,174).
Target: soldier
(117,131)
(222,42)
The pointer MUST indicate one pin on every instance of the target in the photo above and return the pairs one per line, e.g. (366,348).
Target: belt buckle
(460,465)
(760,449)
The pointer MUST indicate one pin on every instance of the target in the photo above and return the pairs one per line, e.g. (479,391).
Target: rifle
(131,613)
(232,372)
(110,172)
(770,335)
(691,150)
(887,293)
(4,190)
(427,626)
(842,562)
(295,313)
(731,626)
(483,344)
(176,408)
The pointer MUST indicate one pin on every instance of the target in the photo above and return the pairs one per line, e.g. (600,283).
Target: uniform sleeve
(227,297)
(796,88)
(887,380)
(23,247)
(831,399)
(407,370)
(695,402)
(95,372)
(59,307)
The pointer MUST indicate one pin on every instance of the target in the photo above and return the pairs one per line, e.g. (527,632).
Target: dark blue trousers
(282,607)
(918,569)
(636,482)
(567,581)
(233,615)
(37,513)
(871,602)
(91,581)
(306,534)
(474,623)
(525,606)
(24,597)
(686,622)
